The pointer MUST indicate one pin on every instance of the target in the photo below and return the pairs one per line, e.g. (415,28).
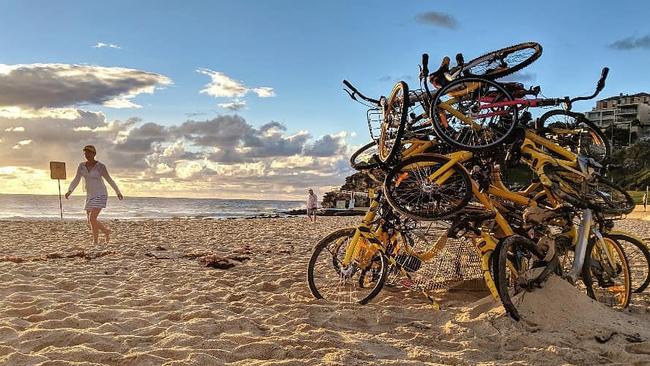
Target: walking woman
(94,174)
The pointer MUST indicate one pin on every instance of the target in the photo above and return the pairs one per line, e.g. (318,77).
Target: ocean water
(47,207)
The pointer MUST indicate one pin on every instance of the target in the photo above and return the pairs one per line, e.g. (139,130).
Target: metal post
(60,201)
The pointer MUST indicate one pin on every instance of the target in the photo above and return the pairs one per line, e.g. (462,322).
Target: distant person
(312,205)
(94,174)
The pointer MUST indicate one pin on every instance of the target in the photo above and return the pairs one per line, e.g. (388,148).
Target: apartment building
(630,113)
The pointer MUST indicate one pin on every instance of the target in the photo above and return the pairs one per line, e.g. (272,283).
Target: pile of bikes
(439,154)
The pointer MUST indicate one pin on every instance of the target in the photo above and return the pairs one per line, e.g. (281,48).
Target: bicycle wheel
(365,158)
(473,114)
(356,283)
(394,116)
(574,132)
(606,273)
(411,192)
(638,258)
(519,266)
(597,193)
(505,61)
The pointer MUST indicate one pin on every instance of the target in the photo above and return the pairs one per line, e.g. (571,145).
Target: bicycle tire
(603,150)
(391,130)
(480,65)
(504,254)
(639,283)
(505,124)
(318,249)
(591,264)
(573,188)
(461,190)
(371,163)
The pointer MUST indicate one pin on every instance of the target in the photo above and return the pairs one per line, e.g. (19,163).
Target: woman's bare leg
(90,226)
(100,226)
(94,224)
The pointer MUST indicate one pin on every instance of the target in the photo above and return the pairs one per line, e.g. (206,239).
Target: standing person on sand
(94,174)
(312,205)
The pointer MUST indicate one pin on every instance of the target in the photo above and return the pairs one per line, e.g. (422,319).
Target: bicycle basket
(375,118)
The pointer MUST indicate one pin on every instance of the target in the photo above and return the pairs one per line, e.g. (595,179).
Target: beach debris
(604,338)
(12,258)
(216,261)
(245,250)
(78,254)
(632,338)
(207,259)
(239,258)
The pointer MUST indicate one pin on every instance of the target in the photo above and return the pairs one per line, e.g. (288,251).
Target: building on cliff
(625,118)
(357,185)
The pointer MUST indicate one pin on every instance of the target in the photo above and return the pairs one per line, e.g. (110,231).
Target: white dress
(96,193)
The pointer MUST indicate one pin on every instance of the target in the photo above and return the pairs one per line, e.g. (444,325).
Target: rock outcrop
(357,182)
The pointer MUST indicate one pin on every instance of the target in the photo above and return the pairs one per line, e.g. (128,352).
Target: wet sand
(146,299)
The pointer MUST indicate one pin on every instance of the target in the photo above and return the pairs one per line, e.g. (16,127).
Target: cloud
(438,19)
(391,78)
(630,43)
(43,89)
(57,113)
(224,156)
(106,45)
(235,105)
(521,77)
(21,143)
(221,85)
(328,145)
(60,139)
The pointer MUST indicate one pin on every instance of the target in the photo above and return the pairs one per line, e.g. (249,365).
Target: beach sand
(145,299)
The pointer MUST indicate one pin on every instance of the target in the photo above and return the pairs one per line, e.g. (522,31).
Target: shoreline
(282,214)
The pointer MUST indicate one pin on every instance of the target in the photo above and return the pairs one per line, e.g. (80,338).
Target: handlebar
(603,77)
(353,92)
(599,86)
(554,102)
(425,63)
(460,60)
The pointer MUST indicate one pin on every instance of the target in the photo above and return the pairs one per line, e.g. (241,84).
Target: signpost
(57,171)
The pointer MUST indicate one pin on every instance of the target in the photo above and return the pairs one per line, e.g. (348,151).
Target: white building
(627,112)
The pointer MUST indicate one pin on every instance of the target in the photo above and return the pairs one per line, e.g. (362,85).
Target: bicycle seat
(478,215)
(516,89)
(437,78)
(469,219)
(540,215)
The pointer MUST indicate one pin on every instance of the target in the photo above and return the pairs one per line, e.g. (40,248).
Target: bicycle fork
(581,247)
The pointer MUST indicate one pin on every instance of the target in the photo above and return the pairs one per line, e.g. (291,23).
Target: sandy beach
(146,299)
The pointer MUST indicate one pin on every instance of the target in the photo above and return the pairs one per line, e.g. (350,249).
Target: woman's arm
(110,181)
(75,182)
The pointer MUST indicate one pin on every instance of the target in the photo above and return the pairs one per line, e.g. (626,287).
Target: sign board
(340,204)
(57,170)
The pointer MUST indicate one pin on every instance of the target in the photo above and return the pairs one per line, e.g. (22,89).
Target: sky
(243,99)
